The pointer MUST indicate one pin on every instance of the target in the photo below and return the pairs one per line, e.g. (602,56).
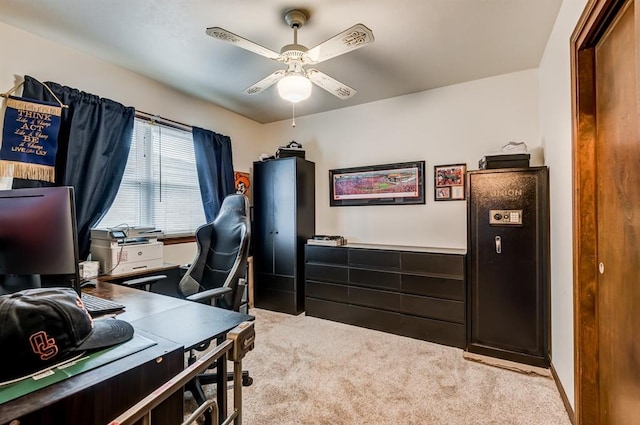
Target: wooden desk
(99,395)
(137,273)
(168,286)
(159,315)
(185,322)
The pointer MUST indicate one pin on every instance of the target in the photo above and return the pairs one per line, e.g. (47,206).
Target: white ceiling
(419,44)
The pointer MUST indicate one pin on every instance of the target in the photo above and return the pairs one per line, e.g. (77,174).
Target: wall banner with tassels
(30,138)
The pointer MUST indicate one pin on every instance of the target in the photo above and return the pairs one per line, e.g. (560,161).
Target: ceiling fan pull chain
(293,122)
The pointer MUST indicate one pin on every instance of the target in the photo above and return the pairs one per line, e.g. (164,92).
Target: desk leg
(221,385)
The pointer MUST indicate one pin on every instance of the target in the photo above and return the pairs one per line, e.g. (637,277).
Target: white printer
(126,250)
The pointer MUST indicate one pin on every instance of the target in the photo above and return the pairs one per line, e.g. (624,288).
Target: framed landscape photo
(449,182)
(387,184)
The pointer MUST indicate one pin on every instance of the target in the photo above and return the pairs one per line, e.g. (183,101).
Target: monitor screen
(38,239)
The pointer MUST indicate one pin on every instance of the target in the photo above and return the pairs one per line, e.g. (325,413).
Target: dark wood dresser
(411,291)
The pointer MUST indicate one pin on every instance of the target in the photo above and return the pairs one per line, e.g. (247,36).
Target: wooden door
(607,214)
(618,221)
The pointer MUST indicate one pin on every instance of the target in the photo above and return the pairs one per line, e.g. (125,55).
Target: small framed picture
(449,181)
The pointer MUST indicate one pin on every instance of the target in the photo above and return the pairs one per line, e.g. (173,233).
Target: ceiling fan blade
(334,87)
(224,35)
(268,81)
(350,39)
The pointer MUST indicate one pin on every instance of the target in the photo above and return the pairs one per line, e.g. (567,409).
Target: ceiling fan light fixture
(294,88)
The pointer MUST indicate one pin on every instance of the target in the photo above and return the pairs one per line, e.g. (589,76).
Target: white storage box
(89,269)
(127,258)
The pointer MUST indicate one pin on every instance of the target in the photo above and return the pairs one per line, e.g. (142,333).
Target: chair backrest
(223,248)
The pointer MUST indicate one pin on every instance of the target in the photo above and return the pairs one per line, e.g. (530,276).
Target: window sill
(172,240)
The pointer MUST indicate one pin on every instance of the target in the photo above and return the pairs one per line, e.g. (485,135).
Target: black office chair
(218,273)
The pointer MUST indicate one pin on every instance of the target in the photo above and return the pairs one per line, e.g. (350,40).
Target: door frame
(596,18)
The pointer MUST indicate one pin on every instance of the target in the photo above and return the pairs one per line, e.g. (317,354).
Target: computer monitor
(38,239)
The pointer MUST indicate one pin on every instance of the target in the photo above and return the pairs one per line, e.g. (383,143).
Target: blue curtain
(215,169)
(93,146)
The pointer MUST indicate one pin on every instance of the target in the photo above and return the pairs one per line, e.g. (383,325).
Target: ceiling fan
(294,83)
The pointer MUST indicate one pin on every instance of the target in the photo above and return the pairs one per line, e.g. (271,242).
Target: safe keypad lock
(505,217)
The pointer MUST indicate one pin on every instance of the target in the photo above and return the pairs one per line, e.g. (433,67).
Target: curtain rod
(164,121)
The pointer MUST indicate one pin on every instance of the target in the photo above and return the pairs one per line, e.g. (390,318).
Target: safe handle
(498,245)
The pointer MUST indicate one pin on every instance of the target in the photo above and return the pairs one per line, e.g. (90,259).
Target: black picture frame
(449,182)
(400,183)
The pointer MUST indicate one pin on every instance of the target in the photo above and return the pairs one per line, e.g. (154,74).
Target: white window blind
(160,184)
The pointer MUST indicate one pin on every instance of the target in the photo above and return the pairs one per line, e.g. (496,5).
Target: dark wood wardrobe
(283,220)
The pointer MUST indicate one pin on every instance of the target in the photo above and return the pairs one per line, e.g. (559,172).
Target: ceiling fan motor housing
(295,18)
(293,52)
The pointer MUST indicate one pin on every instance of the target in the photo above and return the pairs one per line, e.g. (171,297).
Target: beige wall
(555,128)
(450,125)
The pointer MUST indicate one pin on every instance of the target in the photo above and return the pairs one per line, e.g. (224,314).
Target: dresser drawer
(371,318)
(438,264)
(373,298)
(438,331)
(435,308)
(439,287)
(336,311)
(375,278)
(375,319)
(324,254)
(374,258)
(327,291)
(326,273)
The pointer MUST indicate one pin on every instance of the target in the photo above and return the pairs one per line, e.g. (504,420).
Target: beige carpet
(313,371)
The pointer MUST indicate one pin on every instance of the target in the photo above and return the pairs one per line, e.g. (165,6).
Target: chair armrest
(209,294)
(141,281)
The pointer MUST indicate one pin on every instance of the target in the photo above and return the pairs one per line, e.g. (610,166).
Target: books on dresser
(326,240)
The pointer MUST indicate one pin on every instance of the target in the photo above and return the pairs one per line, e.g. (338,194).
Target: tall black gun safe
(508,263)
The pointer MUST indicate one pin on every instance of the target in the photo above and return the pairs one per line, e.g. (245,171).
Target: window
(160,184)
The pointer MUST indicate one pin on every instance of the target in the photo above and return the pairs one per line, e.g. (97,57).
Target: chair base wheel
(247,381)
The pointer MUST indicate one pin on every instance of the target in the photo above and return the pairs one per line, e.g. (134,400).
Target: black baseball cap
(41,328)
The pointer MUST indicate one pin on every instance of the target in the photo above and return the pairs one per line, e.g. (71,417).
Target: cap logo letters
(43,345)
